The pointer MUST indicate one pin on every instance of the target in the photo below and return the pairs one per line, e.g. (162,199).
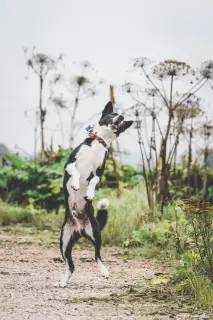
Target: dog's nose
(118,119)
(121,118)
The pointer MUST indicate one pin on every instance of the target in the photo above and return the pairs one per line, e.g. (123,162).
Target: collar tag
(88,128)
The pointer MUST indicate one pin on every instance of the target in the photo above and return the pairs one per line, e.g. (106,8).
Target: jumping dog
(83,171)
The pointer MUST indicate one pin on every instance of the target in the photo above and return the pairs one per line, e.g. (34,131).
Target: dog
(83,171)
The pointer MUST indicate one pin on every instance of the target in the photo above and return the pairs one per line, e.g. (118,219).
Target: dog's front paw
(90,194)
(75,184)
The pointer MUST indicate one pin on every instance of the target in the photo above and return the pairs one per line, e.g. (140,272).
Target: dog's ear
(107,109)
(124,125)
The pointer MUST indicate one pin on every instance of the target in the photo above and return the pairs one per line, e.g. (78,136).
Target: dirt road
(28,272)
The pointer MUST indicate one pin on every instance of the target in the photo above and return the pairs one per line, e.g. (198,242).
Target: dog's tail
(102,214)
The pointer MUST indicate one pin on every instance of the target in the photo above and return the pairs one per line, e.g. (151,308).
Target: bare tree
(164,78)
(80,88)
(42,65)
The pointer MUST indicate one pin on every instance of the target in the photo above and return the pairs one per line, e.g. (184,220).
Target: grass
(125,213)
(29,217)
(13,215)
(202,289)
(198,287)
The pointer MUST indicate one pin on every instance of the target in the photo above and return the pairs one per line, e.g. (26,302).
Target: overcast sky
(107,33)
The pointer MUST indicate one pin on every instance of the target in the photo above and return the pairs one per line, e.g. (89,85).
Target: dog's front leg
(75,177)
(91,187)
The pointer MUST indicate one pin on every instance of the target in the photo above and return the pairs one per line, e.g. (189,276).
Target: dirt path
(28,272)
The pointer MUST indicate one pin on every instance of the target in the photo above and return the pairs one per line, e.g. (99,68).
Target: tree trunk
(117,176)
(205,176)
(42,119)
(190,156)
(61,126)
(112,98)
(163,185)
(72,125)
(164,175)
(35,143)
(149,198)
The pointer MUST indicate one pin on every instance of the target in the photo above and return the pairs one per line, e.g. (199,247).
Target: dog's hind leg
(103,270)
(67,241)
(93,233)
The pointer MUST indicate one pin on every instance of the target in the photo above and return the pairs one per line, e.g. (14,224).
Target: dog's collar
(95,137)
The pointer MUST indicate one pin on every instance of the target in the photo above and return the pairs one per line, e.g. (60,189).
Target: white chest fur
(88,160)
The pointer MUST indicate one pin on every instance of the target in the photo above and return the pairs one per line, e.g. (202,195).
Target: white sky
(108,34)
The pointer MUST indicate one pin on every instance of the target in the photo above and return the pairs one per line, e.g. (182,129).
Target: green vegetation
(25,182)
(29,217)
(125,214)
(123,219)
(182,237)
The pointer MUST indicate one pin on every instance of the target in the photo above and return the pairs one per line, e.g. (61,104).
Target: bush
(194,274)
(158,234)
(186,266)
(24,182)
(199,214)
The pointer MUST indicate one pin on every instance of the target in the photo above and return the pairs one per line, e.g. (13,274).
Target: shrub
(199,214)
(25,182)
(158,234)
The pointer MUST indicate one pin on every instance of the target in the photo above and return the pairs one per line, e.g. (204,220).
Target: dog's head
(113,121)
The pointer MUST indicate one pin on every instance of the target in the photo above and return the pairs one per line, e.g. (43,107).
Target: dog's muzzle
(117,120)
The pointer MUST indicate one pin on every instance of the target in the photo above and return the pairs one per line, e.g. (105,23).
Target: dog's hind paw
(103,270)
(105,274)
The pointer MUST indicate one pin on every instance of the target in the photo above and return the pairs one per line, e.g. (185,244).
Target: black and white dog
(83,171)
